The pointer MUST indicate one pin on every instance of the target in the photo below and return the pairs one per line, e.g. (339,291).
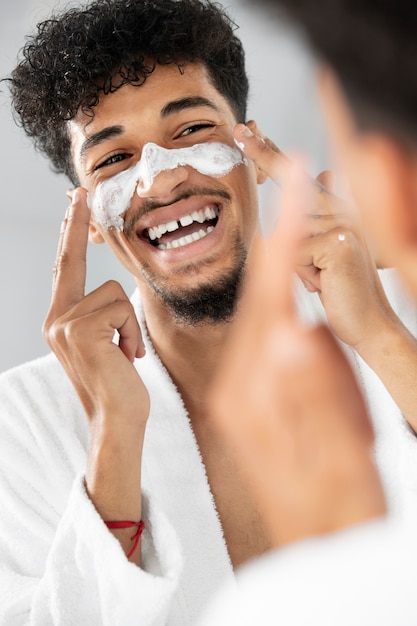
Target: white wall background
(33,199)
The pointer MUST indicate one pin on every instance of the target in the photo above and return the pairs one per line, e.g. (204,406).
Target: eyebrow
(175,106)
(102,135)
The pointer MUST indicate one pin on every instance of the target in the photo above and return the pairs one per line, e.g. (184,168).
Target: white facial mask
(113,196)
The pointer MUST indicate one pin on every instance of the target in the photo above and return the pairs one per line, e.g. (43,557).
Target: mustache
(150,205)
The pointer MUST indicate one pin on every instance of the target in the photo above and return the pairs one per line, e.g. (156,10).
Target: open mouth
(188,229)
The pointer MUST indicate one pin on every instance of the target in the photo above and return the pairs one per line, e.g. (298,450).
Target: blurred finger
(265,154)
(284,244)
(327,178)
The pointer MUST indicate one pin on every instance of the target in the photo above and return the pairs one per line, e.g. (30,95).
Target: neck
(189,352)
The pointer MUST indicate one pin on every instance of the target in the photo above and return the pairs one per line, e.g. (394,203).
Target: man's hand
(80,330)
(335,261)
(287,401)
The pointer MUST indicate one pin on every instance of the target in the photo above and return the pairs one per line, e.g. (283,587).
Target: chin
(210,303)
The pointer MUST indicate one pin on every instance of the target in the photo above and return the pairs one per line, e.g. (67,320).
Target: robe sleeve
(59,564)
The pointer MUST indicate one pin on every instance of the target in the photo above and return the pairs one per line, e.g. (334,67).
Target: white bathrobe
(360,576)
(60,564)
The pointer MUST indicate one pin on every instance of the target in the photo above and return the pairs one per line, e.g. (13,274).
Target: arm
(346,279)
(80,330)
(392,354)
(59,562)
(286,398)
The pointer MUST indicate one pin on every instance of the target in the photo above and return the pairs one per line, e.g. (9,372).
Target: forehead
(152,102)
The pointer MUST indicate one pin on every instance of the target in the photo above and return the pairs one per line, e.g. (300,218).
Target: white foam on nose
(112,197)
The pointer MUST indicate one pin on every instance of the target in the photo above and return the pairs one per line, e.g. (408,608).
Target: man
(136,92)
(362,574)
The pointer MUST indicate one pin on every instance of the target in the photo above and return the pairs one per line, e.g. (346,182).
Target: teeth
(206,214)
(183,241)
(171,226)
(198,216)
(186,220)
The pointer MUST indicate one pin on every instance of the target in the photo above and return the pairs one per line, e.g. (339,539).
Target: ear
(94,234)
(261,177)
(391,214)
(383,176)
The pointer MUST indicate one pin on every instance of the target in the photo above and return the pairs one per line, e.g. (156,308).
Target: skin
(80,327)
(306,454)
(381,172)
(346,280)
(294,409)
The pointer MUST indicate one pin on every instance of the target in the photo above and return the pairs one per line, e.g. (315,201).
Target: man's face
(173,110)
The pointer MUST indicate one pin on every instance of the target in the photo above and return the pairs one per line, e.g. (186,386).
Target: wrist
(381,339)
(115,434)
(119,526)
(113,477)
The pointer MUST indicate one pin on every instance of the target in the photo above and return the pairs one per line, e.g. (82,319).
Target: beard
(214,302)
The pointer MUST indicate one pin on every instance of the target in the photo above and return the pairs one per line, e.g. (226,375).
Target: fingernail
(244,131)
(69,193)
(239,144)
(75,195)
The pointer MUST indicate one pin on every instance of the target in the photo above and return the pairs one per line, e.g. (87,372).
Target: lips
(189,228)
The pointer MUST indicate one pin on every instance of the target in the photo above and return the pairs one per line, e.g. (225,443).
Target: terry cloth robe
(60,565)
(360,576)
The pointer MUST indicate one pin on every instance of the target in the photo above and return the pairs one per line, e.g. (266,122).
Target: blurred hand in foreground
(286,399)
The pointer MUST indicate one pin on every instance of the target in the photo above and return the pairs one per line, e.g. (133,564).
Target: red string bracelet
(126,524)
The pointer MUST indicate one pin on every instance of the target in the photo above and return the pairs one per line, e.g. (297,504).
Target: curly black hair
(372,46)
(81,53)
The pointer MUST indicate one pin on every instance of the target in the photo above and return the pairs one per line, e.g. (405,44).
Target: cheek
(121,249)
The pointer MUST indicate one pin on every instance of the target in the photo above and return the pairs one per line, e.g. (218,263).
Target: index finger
(273,162)
(70,266)
(274,259)
(267,156)
(283,244)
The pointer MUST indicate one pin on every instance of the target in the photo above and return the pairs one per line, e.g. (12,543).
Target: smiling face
(186,236)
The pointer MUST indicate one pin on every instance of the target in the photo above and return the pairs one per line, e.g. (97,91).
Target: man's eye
(195,128)
(114,158)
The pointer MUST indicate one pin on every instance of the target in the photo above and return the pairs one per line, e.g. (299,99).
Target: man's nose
(163,184)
